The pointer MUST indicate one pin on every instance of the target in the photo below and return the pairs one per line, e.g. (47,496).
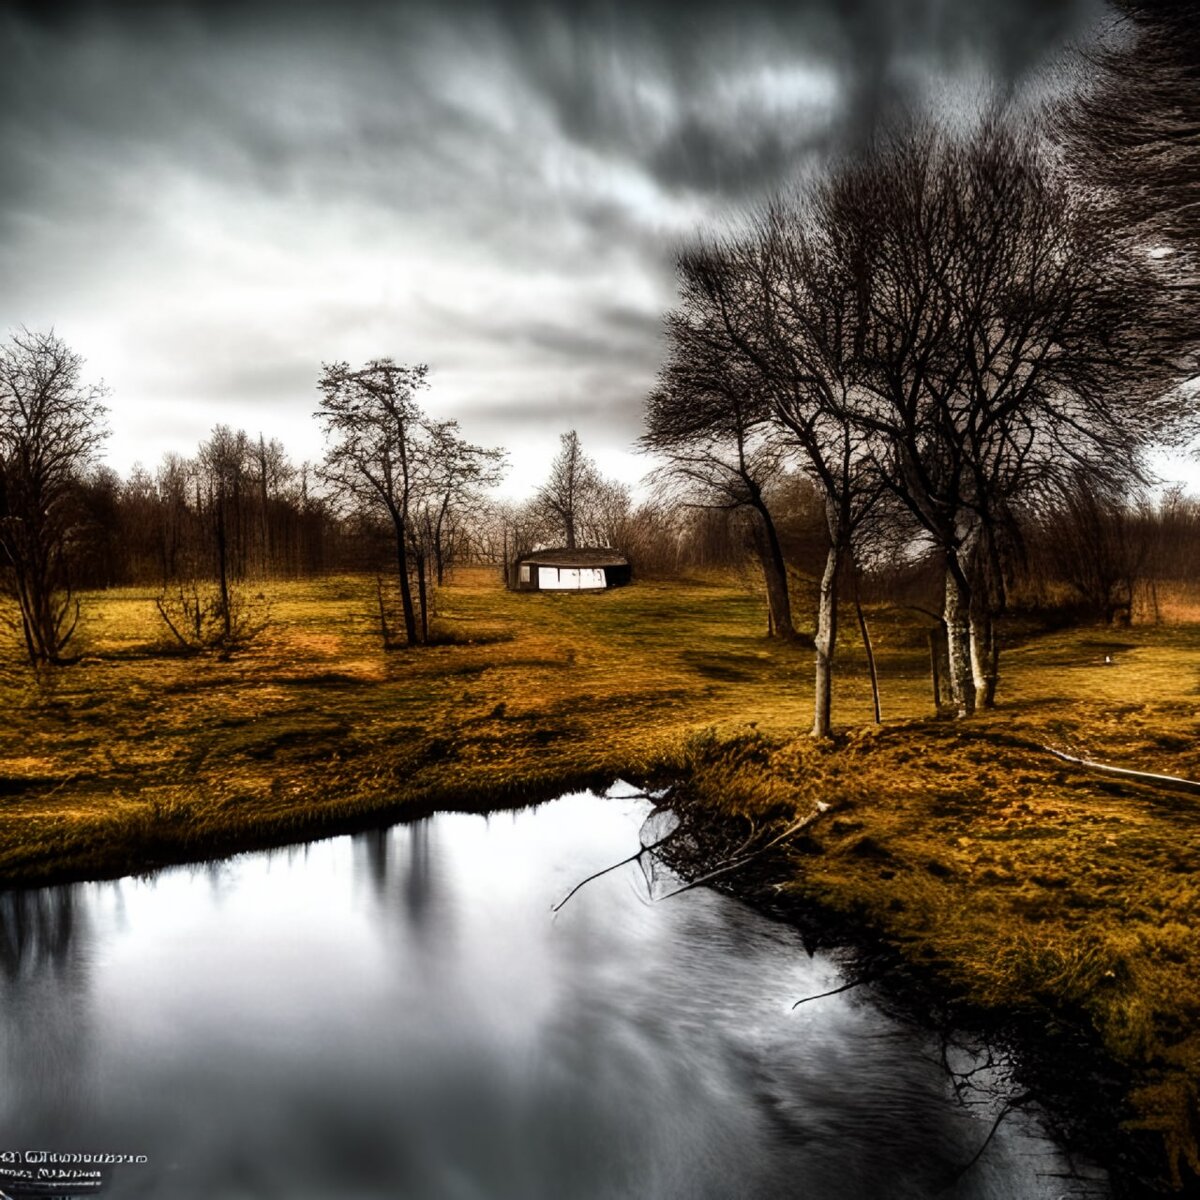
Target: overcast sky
(208,201)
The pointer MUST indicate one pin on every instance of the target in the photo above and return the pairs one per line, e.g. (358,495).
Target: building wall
(535,577)
(569,579)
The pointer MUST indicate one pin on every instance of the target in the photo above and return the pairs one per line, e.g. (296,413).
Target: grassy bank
(1049,905)
(1013,882)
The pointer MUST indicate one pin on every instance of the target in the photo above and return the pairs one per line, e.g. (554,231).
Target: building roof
(581,556)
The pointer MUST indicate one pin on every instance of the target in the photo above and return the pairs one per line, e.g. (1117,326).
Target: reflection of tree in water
(376,844)
(44,1022)
(36,928)
(412,885)
(418,883)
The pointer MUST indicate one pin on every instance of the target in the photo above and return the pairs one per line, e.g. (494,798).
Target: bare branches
(948,320)
(371,419)
(208,617)
(712,424)
(1135,126)
(662,841)
(386,457)
(572,488)
(51,425)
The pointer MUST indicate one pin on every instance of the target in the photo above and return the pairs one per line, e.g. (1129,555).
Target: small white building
(586,569)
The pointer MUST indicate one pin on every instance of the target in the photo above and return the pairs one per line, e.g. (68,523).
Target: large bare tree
(51,424)
(1009,338)
(949,319)
(790,321)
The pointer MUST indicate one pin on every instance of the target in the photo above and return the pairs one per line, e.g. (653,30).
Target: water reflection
(36,928)
(46,1058)
(398,1014)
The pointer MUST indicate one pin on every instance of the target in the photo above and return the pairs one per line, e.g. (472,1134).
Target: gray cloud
(208,200)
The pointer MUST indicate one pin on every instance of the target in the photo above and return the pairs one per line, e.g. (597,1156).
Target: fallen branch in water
(1172,782)
(624,862)
(724,869)
(834,991)
(734,865)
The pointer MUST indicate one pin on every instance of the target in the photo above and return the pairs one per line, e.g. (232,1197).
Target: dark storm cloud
(212,198)
(668,86)
(589,60)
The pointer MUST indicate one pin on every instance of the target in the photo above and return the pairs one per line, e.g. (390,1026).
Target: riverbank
(1010,882)
(979,881)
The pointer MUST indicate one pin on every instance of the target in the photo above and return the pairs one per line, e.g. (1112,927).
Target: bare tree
(222,463)
(948,319)
(1008,338)
(272,475)
(571,487)
(390,460)
(208,506)
(791,318)
(51,424)
(605,519)
(711,422)
(371,421)
(451,475)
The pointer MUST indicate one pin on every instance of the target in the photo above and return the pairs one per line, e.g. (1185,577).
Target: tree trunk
(870,650)
(570,522)
(826,638)
(385,632)
(223,571)
(29,646)
(423,597)
(775,576)
(406,600)
(935,672)
(985,658)
(958,638)
(265,531)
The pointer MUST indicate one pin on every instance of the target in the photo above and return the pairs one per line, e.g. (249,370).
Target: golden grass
(315,722)
(1022,884)
(138,754)
(1050,898)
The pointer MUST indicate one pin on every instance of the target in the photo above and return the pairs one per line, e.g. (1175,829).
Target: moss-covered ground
(1014,881)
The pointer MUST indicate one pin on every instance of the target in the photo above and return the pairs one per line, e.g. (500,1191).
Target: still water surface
(398,1015)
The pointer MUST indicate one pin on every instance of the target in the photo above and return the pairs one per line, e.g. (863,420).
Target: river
(398,1015)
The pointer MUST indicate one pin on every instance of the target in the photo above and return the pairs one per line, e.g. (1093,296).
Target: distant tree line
(399,495)
(238,506)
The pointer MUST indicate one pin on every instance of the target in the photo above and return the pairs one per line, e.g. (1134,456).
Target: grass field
(137,751)
(1021,883)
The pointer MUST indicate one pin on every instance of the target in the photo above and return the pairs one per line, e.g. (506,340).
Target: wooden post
(866,637)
